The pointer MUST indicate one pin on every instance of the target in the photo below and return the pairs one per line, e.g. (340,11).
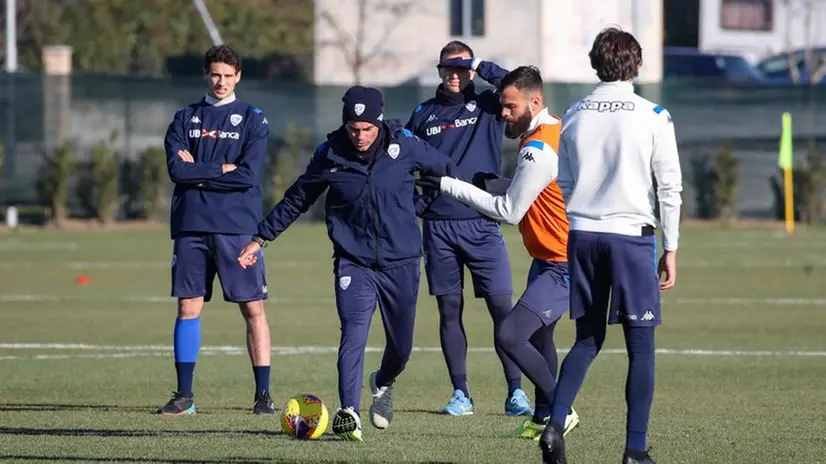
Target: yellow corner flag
(784,160)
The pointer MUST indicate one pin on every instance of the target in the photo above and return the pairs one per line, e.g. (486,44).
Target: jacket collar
(443,97)
(543,117)
(210,100)
(615,86)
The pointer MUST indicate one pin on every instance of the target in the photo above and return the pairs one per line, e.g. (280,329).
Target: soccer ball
(304,417)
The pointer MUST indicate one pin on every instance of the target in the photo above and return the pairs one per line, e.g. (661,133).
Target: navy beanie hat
(362,104)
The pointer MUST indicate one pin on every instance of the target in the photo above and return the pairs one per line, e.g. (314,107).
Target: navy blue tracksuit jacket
(469,128)
(205,199)
(370,210)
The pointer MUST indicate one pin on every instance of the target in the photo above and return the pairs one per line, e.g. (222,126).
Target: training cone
(82,280)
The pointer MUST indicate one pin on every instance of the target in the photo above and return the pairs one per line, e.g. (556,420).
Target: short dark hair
(616,55)
(524,78)
(454,47)
(222,54)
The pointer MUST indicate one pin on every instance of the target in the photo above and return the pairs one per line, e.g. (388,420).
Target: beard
(515,129)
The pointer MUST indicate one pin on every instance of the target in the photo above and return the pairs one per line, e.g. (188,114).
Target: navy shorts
(547,293)
(449,245)
(623,267)
(196,258)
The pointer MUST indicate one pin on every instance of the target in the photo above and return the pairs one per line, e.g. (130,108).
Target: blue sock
(513,385)
(185,373)
(262,378)
(460,383)
(453,339)
(590,335)
(499,307)
(187,342)
(639,385)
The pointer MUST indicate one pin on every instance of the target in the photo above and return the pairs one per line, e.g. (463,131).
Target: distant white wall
(573,25)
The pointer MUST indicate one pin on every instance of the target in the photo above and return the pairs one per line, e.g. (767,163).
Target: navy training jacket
(205,200)
(469,128)
(370,212)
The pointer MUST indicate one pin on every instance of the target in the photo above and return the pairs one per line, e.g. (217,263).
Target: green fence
(40,111)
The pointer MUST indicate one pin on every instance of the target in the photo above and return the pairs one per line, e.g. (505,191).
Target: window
(467,18)
(747,15)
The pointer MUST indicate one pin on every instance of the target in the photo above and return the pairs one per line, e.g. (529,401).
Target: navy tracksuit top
(369,208)
(205,200)
(469,128)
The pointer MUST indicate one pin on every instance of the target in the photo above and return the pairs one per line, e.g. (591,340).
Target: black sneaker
(179,405)
(553,445)
(381,411)
(347,425)
(636,457)
(263,404)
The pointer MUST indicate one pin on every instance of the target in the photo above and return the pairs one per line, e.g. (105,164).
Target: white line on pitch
(33,298)
(162,350)
(749,301)
(23,245)
(129,265)
(733,301)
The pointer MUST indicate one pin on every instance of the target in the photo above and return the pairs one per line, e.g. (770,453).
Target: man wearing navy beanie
(364,104)
(367,168)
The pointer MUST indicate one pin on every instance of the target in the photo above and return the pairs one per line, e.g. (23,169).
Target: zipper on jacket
(373,215)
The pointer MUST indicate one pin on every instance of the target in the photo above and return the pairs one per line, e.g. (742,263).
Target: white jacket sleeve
(665,163)
(565,179)
(535,169)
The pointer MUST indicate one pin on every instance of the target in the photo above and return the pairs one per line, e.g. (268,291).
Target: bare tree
(814,62)
(355,47)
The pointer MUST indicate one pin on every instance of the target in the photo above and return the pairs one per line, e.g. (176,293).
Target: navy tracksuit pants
(358,290)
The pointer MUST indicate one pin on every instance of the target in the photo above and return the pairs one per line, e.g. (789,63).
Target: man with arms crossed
(215,152)
(466,126)
(534,202)
(612,142)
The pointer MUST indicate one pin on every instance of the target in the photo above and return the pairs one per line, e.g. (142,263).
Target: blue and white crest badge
(235,119)
(471,106)
(393,150)
(344,282)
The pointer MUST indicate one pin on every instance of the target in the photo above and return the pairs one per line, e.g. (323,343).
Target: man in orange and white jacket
(534,201)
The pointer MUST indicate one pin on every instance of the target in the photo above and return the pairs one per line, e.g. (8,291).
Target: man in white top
(612,141)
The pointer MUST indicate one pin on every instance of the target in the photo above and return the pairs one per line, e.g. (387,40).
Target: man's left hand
(429,181)
(249,255)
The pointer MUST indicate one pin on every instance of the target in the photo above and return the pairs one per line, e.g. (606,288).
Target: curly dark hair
(616,55)
(222,54)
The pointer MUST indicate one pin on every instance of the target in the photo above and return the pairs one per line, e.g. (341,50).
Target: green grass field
(740,377)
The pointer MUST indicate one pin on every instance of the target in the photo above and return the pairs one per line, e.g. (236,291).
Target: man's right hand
(668,267)
(187,157)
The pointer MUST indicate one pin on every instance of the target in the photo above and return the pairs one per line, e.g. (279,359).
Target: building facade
(396,42)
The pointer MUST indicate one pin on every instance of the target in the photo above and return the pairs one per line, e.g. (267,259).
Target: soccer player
(533,201)
(215,152)
(612,142)
(465,125)
(367,168)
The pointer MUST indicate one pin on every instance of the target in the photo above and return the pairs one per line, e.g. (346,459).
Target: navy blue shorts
(197,258)
(476,243)
(547,293)
(621,267)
